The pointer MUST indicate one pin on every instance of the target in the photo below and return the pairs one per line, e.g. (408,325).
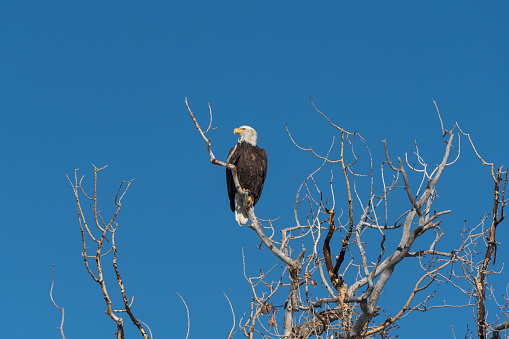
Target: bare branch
(105,231)
(330,122)
(478,155)
(188,319)
(61,328)
(441,123)
(233,314)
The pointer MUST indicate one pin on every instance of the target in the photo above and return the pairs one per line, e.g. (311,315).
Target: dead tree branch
(61,328)
(106,232)
(187,311)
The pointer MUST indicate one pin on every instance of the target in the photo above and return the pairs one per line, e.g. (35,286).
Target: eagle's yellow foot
(249,198)
(250,201)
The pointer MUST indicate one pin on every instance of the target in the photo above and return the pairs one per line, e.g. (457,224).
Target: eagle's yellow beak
(238,130)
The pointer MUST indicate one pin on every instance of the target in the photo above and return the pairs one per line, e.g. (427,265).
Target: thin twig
(441,123)
(188,318)
(61,328)
(233,314)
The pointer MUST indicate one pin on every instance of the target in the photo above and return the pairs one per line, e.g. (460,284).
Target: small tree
(102,234)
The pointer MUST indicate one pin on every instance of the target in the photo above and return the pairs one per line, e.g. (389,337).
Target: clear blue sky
(104,83)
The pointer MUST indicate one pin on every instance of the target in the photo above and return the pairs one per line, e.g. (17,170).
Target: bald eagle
(251,164)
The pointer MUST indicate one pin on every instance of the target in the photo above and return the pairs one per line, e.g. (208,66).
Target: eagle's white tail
(240,211)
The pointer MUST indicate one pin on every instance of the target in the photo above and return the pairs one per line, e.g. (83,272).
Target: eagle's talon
(249,197)
(250,201)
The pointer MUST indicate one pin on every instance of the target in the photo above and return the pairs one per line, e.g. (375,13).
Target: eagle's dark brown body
(251,164)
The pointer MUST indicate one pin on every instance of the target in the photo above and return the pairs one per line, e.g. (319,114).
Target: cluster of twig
(103,236)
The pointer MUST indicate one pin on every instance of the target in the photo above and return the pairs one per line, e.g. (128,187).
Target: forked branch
(107,231)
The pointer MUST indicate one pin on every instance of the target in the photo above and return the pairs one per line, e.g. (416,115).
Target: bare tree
(480,252)
(324,252)
(102,234)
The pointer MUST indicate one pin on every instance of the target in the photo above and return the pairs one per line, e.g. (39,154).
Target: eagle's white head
(247,134)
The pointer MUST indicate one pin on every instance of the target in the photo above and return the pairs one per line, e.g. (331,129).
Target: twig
(478,155)
(149,331)
(233,314)
(188,318)
(61,328)
(441,123)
